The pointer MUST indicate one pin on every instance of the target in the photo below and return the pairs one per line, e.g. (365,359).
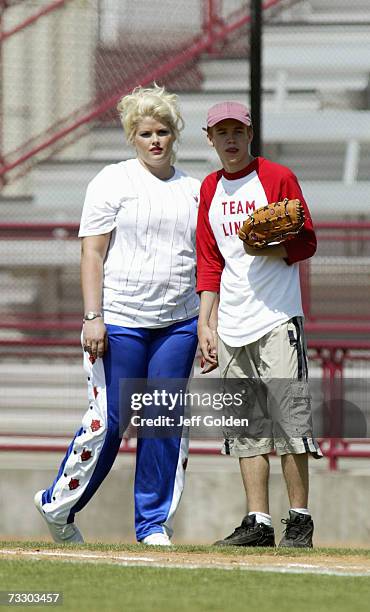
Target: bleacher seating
(321,147)
(316,120)
(294,61)
(340,11)
(316,116)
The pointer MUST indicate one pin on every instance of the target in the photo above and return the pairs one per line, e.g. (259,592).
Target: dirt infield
(348,565)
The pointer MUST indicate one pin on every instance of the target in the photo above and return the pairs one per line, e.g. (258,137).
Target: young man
(260,331)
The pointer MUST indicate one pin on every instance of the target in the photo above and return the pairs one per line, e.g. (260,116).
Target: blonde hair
(153,102)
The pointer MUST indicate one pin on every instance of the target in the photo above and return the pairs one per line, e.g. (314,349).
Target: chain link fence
(65,63)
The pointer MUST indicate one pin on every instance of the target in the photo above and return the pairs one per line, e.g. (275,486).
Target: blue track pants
(160,462)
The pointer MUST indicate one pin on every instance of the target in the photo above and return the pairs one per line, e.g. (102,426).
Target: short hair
(153,102)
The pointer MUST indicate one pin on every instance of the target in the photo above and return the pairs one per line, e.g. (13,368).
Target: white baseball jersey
(149,270)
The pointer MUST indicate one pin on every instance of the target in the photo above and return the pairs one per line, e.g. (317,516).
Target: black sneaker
(298,532)
(250,533)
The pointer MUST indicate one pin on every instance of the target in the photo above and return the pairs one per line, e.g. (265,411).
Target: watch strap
(91,315)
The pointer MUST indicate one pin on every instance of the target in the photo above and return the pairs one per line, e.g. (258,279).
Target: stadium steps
(42,400)
(330,59)
(338,284)
(321,11)
(47,400)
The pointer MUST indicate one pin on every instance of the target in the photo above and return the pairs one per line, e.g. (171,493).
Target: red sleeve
(304,244)
(210,262)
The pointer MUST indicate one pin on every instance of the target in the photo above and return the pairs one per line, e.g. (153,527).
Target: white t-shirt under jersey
(149,270)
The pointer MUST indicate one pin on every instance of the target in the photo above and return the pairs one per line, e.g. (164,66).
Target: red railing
(31,231)
(349,339)
(357,234)
(215,31)
(333,449)
(318,320)
(331,354)
(57,4)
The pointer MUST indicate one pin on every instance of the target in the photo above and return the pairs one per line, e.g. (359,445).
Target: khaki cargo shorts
(270,375)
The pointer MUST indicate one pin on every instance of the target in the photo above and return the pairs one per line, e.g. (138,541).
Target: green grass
(94,586)
(90,587)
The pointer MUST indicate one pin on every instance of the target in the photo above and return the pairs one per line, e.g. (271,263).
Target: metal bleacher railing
(315,92)
(336,297)
(115,76)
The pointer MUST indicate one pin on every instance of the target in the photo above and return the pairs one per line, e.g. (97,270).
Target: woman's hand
(94,337)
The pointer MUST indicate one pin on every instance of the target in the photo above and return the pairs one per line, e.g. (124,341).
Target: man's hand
(272,250)
(208,346)
(207,367)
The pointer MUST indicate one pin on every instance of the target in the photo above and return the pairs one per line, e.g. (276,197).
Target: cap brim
(244,121)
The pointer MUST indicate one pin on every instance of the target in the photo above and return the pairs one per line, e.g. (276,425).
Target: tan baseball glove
(276,222)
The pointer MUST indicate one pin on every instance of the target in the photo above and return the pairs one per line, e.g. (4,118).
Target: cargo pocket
(300,417)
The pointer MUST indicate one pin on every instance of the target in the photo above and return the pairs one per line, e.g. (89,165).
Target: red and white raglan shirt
(257,293)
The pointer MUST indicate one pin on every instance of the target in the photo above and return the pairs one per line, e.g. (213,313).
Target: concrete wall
(213,502)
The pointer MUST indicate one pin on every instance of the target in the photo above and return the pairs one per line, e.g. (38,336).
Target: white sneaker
(66,532)
(157,539)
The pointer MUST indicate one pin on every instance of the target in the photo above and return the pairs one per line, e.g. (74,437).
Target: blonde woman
(138,283)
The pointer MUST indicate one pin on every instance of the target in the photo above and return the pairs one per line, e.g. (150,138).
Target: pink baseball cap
(228,110)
